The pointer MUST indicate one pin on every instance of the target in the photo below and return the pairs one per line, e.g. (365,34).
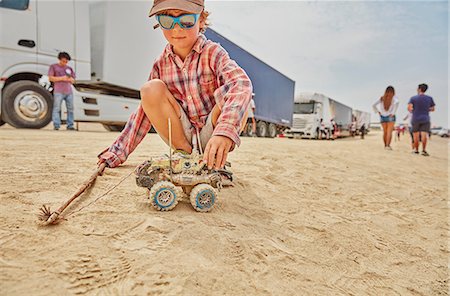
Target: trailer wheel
(26,104)
(272,130)
(261,129)
(114,127)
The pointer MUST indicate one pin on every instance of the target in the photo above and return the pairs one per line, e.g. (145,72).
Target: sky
(349,50)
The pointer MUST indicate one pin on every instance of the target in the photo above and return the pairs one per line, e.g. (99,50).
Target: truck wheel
(261,129)
(272,130)
(26,104)
(203,197)
(113,127)
(163,196)
(1,122)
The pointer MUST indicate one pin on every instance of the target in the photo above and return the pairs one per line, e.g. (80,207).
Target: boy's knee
(152,91)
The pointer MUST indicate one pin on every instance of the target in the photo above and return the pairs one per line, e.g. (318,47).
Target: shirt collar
(198,46)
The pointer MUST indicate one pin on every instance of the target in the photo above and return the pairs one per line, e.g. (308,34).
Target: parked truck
(33,32)
(361,118)
(111,58)
(311,110)
(274,91)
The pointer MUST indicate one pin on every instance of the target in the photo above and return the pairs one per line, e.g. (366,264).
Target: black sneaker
(424,153)
(56,128)
(71,129)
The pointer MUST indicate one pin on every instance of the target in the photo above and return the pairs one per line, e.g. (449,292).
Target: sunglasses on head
(185,21)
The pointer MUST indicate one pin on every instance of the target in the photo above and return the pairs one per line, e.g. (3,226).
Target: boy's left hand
(216,151)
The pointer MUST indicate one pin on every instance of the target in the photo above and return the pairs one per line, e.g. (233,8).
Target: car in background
(435,130)
(445,133)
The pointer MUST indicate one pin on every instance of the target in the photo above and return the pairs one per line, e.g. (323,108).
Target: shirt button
(184,70)
(189,97)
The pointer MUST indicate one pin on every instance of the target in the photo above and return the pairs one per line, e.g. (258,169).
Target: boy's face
(63,61)
(182,39)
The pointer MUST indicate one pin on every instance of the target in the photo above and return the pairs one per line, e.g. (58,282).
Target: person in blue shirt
(421,106)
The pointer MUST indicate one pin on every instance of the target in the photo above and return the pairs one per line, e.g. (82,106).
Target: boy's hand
(216,151)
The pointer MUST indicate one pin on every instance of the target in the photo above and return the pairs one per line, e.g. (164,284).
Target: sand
(305,217)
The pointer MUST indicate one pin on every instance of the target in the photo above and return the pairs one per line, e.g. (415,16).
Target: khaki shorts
(205,133)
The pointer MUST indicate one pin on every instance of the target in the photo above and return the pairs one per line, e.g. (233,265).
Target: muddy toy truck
(168,178)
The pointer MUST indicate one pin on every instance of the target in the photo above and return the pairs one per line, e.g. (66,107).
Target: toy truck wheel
(163,196)
(203,197)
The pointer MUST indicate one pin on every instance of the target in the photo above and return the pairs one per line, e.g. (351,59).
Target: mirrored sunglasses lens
(165,21)
(187,21)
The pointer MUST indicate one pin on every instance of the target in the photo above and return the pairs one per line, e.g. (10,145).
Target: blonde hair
(203,18)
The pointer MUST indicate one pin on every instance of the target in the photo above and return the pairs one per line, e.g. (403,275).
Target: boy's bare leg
(159,105)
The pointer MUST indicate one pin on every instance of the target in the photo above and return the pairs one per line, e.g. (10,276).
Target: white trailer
(311,108)
(118,54)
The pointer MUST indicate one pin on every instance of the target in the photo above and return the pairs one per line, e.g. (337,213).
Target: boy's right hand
(216,151)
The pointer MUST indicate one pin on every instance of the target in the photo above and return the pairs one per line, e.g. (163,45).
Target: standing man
(62,77)
(420,106)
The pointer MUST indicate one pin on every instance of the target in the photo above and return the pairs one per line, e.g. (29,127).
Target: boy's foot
(424,153)
(388,148)
(71,128)
(415,152)
(56,128)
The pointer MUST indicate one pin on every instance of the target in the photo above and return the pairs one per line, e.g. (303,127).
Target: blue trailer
(274,91)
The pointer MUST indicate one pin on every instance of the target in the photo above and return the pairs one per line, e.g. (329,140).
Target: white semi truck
(361,118)
(311,110)
(112,58)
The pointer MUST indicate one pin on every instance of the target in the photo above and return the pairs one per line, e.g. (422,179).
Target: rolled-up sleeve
(135,130)
(233,94)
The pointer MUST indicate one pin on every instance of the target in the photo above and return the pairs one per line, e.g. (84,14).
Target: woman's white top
(379,107)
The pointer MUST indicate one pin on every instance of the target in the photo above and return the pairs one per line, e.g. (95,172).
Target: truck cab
(309,109)
(33,33)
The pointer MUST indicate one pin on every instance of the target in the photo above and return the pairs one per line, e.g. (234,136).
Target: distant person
(334,129)
(62,76)
(386,106)
(363,130)
(322,130)
(251,117)
(420,106)
(353,127)
(407,121)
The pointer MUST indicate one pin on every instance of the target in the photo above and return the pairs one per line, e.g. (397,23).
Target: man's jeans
(56,115)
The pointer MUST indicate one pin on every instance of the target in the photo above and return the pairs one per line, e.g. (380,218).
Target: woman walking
(386,106)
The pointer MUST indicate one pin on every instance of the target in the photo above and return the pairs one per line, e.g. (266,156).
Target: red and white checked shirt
(207,77)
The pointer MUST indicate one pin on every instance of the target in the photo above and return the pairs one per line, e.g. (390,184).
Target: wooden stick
(48,217)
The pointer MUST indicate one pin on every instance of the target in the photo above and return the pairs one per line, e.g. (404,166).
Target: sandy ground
(305,217)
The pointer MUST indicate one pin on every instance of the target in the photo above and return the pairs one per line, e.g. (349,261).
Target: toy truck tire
(203,197)
(26,104)
(163,196)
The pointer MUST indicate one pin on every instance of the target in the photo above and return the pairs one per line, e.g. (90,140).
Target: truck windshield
(304,108)
(15,4)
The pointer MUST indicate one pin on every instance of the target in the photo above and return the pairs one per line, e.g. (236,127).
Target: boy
(420,106)
(62,77)
(195,84)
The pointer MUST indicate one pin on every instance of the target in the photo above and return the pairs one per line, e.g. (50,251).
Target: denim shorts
(387,119)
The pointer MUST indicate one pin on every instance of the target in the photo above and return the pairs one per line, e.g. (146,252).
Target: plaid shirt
(207,77)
